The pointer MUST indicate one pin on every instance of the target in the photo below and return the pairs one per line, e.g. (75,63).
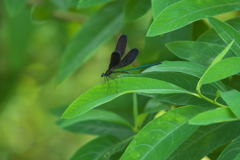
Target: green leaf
(205,140)
(232,98)
(98,127)
(90,38)
(213,116)
(216,60)
(211,35)
(63,4)
(232,151)
(222,69)
(188,11)
(169,130)
(14,6)
(227,33)
(89,3)
(178,66)
(101,148)
(201,53)
(159,5)
(107,92)
(134,9)
(96,114)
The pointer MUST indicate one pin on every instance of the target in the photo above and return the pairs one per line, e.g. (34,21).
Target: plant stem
(135,111)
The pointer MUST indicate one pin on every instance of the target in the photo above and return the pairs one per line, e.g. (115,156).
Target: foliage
(182,109)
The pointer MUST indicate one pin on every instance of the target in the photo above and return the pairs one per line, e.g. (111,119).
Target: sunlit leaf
(215,61)
(222,69)
(232,98)
(227,33)
(159,138)
(188,11)
(202,53)
(107,92)
(90,38)
(213,116)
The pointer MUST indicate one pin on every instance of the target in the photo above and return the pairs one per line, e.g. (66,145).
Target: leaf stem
(199,95)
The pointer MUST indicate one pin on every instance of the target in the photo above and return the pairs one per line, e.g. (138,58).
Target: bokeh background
(32,43)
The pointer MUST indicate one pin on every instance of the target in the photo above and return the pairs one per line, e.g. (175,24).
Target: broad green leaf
(213,116)
(227,33)
(102,148)
(107,92)
(232,98)
(205,140)
(90,38)
(211,35)
(155,105)
(169,130)
(216,60)
(96,114)
(14,6)
(134,9)
(232,151)
(182,80)
(202,53)
(222,69)
(159,5)
(178,66)
(188,11)
(100,128)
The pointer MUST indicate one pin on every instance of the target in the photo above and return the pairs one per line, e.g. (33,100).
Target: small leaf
(216,60)
(202,53)
(178,66)
(96,114)
(107,92)
(232,151)
(101,148)
(222,69)
(232,98)
(89,3)
(134,9)
(188,11)
(167,131)
(227,33)
(90,38)
(213,116)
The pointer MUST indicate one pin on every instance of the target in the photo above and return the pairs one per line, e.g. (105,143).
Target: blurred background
(33,38)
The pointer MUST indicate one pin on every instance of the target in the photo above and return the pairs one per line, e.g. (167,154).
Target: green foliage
(186,108)
(196,81)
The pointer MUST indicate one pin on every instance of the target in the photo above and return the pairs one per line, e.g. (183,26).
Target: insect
(116,62)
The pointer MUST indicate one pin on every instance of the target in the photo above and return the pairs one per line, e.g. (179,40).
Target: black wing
(121,44)
(115,60)
(128,59)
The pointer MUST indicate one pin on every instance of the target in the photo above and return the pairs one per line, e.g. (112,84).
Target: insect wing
(115,60)
(128,59)
(121,44)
